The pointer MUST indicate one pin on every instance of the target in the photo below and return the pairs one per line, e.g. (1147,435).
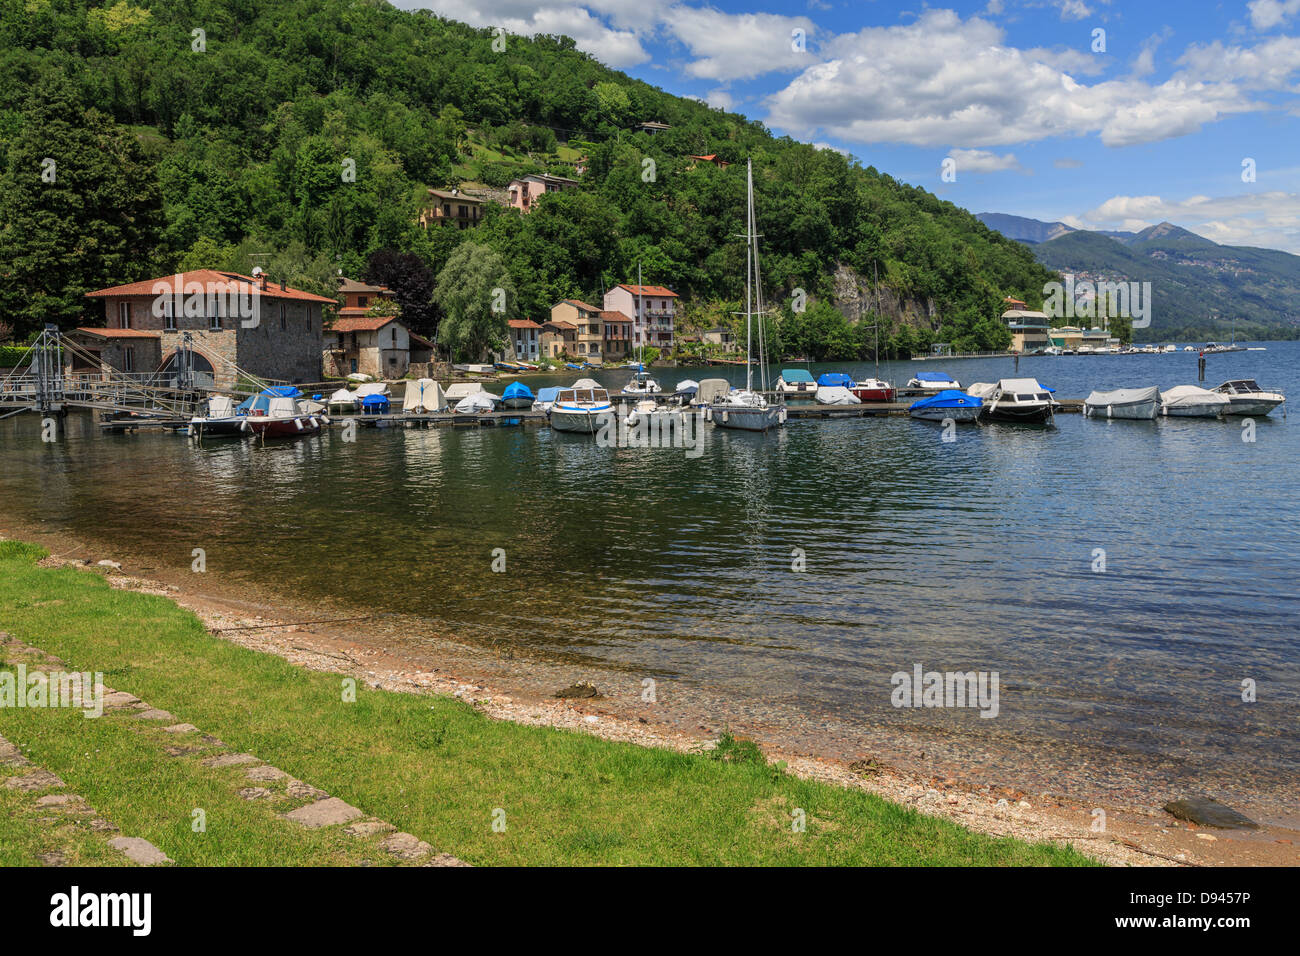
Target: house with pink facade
(525,192)
(652,309)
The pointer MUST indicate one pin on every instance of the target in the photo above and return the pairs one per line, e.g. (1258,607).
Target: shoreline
(510,688)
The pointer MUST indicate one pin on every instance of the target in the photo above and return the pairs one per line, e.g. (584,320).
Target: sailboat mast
(749,276)
(640,314)
(875,273)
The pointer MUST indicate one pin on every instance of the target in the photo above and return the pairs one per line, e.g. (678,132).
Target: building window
(124,315)
(214,323)
(128,359)
(284,318)
(362,301)
(169,315)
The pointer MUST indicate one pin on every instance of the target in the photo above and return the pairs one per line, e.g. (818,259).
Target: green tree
(80,209)
(475,292)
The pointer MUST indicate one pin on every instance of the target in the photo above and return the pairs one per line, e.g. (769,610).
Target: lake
(1121,578)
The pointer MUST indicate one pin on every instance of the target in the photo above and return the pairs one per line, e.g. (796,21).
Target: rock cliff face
(855,297)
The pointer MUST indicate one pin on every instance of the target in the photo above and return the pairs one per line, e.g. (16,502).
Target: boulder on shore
(1208,812)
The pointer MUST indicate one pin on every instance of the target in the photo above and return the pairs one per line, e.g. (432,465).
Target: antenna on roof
(258,270)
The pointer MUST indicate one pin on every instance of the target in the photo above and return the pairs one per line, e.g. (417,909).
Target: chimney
(281,283)
(261,279)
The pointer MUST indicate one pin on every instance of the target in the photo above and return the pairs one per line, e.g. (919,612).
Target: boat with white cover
(1191,401)
(836,395)
(1133,403)
(934,382)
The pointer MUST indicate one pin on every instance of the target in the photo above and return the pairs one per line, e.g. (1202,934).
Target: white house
(652,309)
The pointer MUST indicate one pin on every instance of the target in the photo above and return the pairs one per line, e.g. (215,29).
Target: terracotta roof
(580,304)
(119,333)
(616,317)
(360,323)
(455,196)
(655,290)
(561,324)
(522,324)
(209,276)
(421,340)
(352,285)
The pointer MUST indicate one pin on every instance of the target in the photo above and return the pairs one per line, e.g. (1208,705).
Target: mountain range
(1199,288)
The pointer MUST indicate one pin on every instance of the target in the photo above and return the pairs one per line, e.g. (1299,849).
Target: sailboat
(642,383)
(744,408)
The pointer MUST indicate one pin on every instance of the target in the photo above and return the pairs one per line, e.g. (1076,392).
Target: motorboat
(1191,401)
(641,384)
(281,416)
(1015,400)
(518,395)
(220,419)
(949,405)
(711,390)
(1135,403)
(836,395)
(580,409)
(376,404)
(795,382)
(342,402)
(934,382)
(546,398)
(476,403)
(873,390)
(1245,397)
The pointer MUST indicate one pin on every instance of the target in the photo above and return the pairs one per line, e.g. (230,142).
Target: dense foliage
(306,131)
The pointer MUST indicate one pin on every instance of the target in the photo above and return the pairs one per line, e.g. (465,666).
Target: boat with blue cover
(518,395)
(950,404)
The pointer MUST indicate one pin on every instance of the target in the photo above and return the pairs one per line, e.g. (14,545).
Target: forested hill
(175,148)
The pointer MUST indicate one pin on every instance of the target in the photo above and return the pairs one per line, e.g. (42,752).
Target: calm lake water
(972,555)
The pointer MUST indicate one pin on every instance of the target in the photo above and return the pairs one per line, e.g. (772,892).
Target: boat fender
(725,415)
(298,423)
(781,415)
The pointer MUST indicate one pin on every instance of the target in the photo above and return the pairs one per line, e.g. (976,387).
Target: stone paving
(322,810)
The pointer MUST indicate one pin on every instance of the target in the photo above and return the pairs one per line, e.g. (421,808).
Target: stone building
(215,323)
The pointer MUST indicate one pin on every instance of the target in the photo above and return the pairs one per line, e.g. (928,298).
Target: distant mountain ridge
(1198,286)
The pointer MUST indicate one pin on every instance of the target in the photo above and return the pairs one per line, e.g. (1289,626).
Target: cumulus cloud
(972,88)
(611,45)
(983,161)
(1266,14)
(1268,219)
(739,46)
(1269,65)
(1074,9)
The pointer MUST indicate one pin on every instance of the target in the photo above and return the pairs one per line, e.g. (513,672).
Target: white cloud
(982,161)
(1267,219)
(1269,65)
(740,46)
(1074,9)
(972,88)
(616,47)
(1266,14)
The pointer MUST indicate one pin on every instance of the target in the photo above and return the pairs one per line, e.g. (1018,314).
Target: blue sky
(1042,114)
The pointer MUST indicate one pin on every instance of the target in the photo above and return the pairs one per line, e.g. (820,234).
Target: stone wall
(285,347)
(855,297)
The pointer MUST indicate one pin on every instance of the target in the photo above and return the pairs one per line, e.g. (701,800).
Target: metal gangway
(45,382)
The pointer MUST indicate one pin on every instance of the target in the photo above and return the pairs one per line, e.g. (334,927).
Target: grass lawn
(433,766)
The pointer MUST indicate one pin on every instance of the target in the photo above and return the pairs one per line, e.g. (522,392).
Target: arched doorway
(186,364)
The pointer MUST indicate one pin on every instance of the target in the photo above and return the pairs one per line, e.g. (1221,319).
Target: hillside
(1198,286)
(173,156)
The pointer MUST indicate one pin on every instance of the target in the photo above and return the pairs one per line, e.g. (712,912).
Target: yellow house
(590,336)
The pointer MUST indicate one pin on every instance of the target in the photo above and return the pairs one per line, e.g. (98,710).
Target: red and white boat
(873,390)
(282,417)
